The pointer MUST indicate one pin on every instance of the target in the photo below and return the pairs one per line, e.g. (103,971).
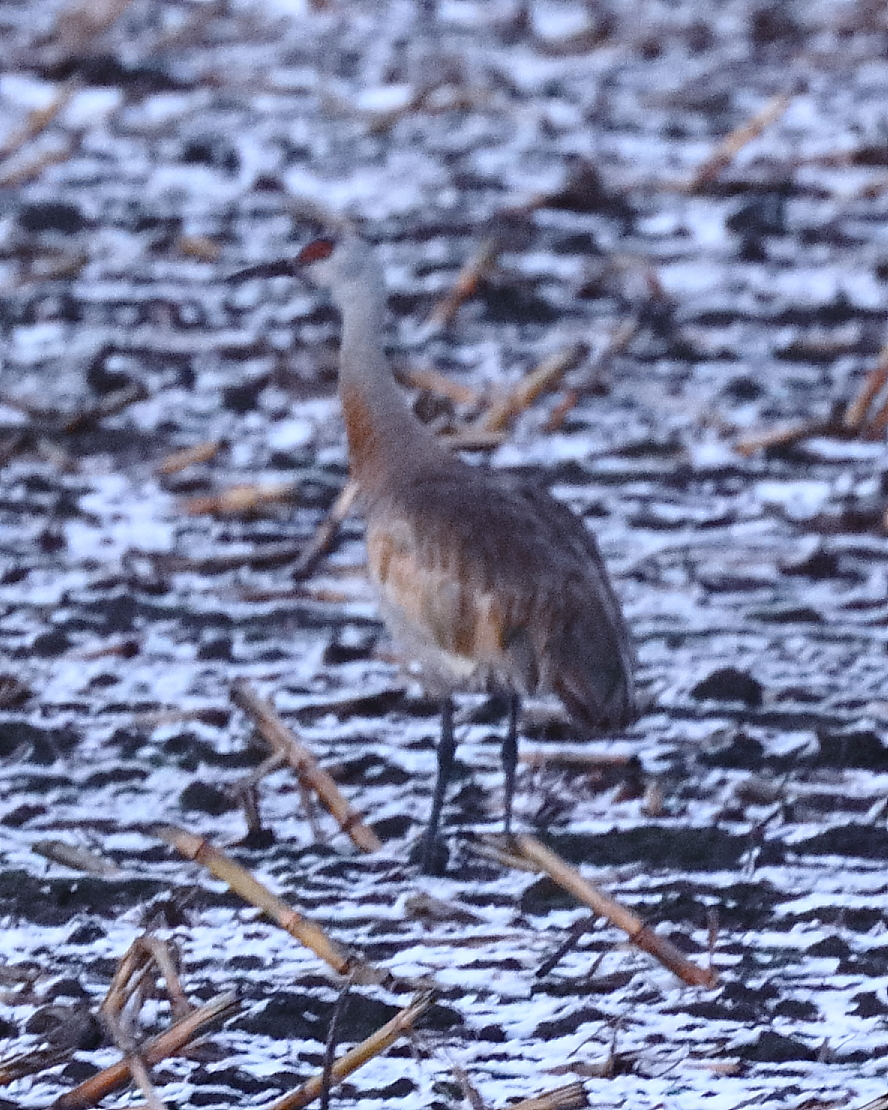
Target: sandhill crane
(484,581)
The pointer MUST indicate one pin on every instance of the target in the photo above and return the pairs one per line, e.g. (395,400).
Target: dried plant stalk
(323,538)
(640,934)
(179,460)
(879,1103)
(560,412)
(283,739)
(435,382)
(15,174)
(877,423)
(170,1043)
(782,436)
(544,377)
(540,757)
(572,1096)
(467,281)
(268,555)
(473,439)
(742,136)
(201,247)
(493,847)
(40,118)
(356,1057)
(110,405)
(78,859)
(257,894)
(244,498)
(32,1062)
(873,384)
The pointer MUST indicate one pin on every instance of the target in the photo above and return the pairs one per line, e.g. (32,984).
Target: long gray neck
(386,440)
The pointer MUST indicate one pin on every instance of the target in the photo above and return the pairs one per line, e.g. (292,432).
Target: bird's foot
(432,855)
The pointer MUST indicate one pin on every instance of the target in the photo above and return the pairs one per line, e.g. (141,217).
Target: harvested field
(685,207)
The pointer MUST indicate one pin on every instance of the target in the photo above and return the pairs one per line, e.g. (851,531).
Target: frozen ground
(190,133)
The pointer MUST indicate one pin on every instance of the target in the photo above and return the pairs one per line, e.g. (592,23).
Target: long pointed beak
(314,251)
(283,267)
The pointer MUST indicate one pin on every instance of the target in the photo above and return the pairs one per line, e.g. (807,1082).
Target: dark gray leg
(510,758)
(446,748)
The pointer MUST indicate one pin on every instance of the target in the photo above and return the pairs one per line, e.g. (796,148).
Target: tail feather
(594,677)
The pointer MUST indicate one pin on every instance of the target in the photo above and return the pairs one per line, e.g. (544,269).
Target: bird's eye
(316,250)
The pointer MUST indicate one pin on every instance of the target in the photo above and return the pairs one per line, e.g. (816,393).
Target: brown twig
(323,538)
(561,410)
(640,934)
(570,1097)
(356,1057)
(541,757)
(473,439)
(467,282)
(201,247)
(170,1043)
(13,175)
(40,118)
(877,423)
(282,739)
(78,859)
(251,890)
(730,147)
(494,848)
(32,1062)
(244,498)
(543,377)
(434,381)
(268,555)
(782,436)
(873,383)
(110,405)
(188,456)
(330,1046)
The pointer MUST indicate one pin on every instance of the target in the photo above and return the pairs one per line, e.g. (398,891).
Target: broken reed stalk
(32,1062)
(136,972)
(282,739)
(472,439)
(782,436)
(542,378)
(433,381)
(356,1057)
(561,410)
(257,894)
(878,422)
(323,538)
(572,1096)
(268,555)
(171,1043)
(640,934)
(873,383)
(878,1103)
(467,281)
(15,176)
(188,456)
(243,498)
(742,136)
(78,859)
(539,757)
(110,405)
(41,118)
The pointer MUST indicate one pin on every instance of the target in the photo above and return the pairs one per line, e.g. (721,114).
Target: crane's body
(486,582)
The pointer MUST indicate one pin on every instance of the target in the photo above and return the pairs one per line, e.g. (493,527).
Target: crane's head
(346,266)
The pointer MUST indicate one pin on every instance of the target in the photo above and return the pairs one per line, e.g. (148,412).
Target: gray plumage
(486,581)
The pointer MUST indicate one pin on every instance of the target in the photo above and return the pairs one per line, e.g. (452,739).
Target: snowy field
(714,296)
